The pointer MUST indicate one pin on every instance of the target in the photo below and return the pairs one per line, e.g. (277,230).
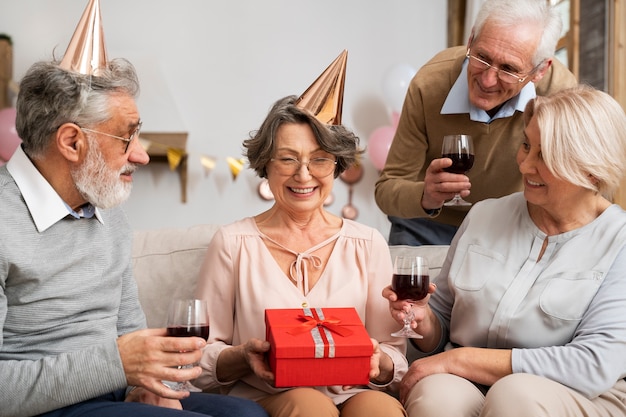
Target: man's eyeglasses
(318,167)
(504,76)
(133,135)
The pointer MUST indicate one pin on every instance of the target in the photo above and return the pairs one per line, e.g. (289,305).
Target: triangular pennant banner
(208,163)
(236,165)
(174,156)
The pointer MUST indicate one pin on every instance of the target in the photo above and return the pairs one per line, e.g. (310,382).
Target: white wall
(221,65)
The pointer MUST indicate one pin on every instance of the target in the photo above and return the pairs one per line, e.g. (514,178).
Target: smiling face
(509,49)
(541,187)
(300,193)
(105,177)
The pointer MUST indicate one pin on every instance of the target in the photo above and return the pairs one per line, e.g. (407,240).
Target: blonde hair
(583,137)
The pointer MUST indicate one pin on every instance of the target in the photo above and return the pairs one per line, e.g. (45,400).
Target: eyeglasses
(318,167)
(504,76)
(133,135)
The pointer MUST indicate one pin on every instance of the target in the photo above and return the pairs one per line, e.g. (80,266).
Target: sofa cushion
(166,264)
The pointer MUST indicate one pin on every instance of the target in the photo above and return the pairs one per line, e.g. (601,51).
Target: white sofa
(166,263)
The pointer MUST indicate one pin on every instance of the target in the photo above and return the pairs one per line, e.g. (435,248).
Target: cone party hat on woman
(86,53)
(324,98)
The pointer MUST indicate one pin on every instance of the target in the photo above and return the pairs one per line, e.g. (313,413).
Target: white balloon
(395,84)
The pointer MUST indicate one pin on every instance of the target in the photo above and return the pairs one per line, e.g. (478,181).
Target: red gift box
(318,347)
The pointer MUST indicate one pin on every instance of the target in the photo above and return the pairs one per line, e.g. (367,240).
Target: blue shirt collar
(86,211)
(457,101)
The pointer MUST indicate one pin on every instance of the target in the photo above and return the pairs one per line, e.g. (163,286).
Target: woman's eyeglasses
(317,167)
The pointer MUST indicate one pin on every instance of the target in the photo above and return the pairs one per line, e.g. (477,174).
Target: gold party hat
(86,53)
(324,98)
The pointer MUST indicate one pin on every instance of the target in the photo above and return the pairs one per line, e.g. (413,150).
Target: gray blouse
(563,315)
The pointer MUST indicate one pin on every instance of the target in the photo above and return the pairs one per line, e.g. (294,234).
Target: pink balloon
(379,144)
(395,118)
(9,140)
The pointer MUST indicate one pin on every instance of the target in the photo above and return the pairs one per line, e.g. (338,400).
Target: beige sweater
(422,127)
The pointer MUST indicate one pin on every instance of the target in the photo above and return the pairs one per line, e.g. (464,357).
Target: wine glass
(460,149)
(186,318)
(410,282)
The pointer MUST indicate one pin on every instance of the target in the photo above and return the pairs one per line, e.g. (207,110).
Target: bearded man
(72,333)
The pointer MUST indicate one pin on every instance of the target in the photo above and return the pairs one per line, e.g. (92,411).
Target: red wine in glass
(186,318)
(460,149)
(461,163)
(410,286)
(188,331)
(410,282)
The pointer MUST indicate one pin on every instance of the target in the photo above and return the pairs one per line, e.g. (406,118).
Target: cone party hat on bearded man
(86,52)
(324,98)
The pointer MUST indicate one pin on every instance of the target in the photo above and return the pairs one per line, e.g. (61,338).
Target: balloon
(395,83)
(379,144)
(395,118)
(9,140)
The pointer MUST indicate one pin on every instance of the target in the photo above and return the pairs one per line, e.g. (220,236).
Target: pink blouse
(240,279)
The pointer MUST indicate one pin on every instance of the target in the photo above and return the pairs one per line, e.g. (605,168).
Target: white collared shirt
(44,203)
(457,101)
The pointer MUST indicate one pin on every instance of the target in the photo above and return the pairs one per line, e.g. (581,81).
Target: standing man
(480,90)
(72,333)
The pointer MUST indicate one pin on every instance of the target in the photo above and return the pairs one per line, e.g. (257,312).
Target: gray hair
(510,13)
(334,139)
(50,96)
(583,137)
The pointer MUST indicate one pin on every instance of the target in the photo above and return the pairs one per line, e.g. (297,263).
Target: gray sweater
(66,294)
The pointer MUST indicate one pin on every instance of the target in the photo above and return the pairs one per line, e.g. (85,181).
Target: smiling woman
(297,255)
(523,261)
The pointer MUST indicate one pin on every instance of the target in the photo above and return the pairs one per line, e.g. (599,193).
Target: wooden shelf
(6,70)
(160,142)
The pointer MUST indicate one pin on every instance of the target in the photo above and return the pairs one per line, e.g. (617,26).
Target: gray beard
(97,183)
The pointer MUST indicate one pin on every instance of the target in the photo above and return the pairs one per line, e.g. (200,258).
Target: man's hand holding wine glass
(441,186)
(187,318)
(460,150)
(150,356)
(445,178)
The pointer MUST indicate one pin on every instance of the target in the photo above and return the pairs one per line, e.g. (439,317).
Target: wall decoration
(235,165)
(264,190)
(9,140)
(351,176)
(208,163)
(171,148)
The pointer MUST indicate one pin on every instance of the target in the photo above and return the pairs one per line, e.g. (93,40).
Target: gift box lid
(299,333)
